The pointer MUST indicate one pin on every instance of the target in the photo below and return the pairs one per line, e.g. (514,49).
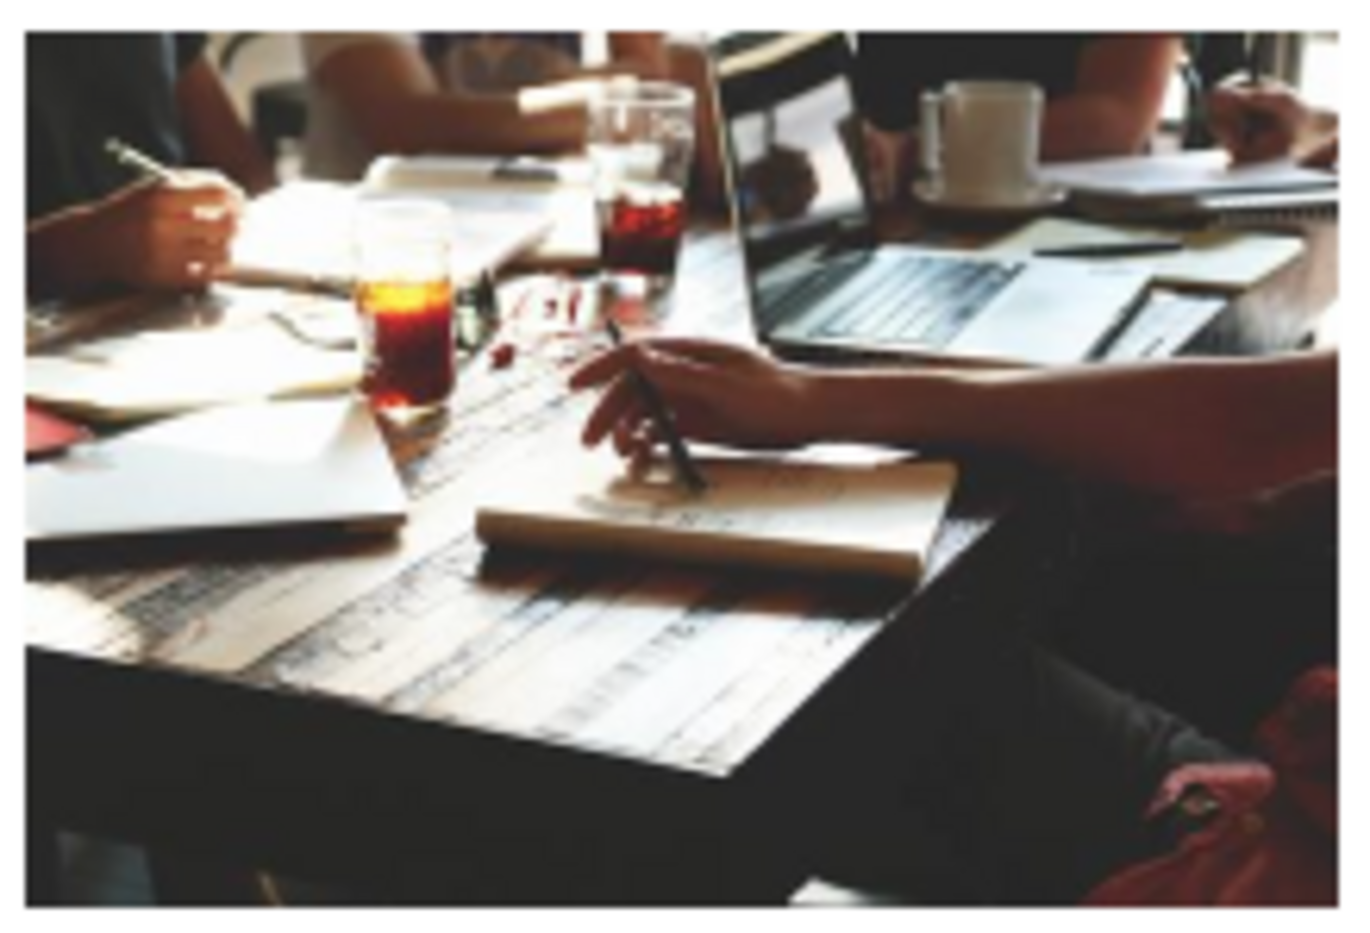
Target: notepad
(874,520)
(161,372)
(271,465)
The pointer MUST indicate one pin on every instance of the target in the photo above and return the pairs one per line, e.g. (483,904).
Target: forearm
(645,54)
(215,136)
(62,255)
(1085,127)
(1184,428)
(397,105)
(476,124)
(1120,87)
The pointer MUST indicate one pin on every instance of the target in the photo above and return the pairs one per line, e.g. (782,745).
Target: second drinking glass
(641,143)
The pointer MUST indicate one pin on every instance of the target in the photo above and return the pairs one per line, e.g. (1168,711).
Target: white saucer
(1035,200)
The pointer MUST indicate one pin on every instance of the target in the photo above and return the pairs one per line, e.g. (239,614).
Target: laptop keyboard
(918,299)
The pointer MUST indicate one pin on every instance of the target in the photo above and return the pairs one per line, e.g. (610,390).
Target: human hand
(1256,122)
(167,235)
(718,393)
(1325,154)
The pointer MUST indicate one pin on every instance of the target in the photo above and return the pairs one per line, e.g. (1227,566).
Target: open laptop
(819,286)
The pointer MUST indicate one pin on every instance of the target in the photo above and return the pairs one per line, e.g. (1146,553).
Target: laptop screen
(796,159)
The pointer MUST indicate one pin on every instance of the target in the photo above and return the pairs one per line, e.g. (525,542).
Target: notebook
(862,519)
(299,236)
(558,192)
(1199,183)
(255,353)
(262,466)
(818,285)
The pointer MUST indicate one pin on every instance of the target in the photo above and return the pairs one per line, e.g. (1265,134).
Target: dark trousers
(1214,628)
(1028,759)
(1024,780)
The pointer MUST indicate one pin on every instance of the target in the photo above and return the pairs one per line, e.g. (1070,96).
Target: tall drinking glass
(641,142)
(404,296)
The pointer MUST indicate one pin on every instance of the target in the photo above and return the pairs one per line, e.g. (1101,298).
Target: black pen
(126,155)
(685,469)
(1254,54)
(1111,250)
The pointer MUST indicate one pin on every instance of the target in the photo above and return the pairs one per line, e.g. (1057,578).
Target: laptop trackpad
(1054,313)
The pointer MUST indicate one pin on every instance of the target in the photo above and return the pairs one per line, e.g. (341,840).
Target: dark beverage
(408,355)
(640,230)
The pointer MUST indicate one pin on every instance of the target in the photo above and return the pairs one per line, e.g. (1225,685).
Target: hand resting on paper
(1270,121)
(717,392)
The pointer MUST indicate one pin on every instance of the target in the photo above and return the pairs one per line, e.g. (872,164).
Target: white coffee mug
(980,140)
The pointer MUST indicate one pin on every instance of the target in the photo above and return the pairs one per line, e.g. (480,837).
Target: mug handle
(930,134)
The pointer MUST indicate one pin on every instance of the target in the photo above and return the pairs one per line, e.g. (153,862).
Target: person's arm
(1190,428)
(397,105)
(214,134)
(643,54)
(1120,87)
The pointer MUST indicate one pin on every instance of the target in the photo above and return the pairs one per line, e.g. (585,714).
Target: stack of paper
(1187,183)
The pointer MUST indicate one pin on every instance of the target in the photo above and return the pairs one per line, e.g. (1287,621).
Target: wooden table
(531,729)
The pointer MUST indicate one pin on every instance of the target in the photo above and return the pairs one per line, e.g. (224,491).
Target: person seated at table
(94,223)
(1104,92)
(1041,783)
(1270,120)
(470,93)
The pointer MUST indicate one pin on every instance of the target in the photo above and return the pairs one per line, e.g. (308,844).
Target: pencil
(685,468)
(126,155)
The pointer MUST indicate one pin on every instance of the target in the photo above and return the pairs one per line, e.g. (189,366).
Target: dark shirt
(893,68)
(83,88)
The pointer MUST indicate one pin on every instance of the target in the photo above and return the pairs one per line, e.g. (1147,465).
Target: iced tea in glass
(640,230)
(640,142)
(404,296)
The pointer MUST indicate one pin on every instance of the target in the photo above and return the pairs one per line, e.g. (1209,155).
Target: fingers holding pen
(602,368)
(620,402)
(163,236)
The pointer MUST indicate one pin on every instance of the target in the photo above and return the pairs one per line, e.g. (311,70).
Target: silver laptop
(819,287)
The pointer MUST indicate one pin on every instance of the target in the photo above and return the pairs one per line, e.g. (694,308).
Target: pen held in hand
(1120,249)
(685,468)
(141,162)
